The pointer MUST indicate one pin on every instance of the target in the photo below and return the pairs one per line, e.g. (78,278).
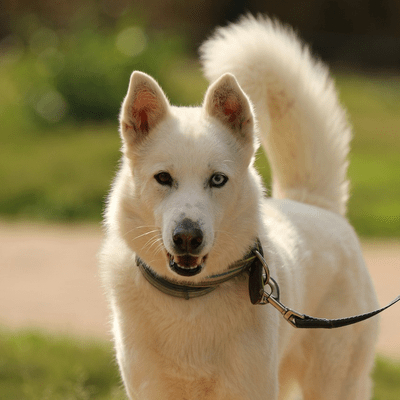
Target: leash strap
(260,277)
(306,321)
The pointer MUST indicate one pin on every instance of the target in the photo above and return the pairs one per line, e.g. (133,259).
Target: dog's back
(302,126)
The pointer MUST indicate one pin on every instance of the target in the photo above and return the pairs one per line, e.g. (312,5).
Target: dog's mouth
(186,265)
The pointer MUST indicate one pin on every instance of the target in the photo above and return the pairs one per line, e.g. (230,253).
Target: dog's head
(189,195)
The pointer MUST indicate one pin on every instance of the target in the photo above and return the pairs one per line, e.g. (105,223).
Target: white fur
(220,346)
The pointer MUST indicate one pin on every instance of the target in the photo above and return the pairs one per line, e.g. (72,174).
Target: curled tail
(303,128)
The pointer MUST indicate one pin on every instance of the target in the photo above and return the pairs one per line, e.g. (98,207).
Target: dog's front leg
(254,368)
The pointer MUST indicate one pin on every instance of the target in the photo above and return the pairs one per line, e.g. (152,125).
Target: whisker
(159,249)
(142,227)
(147,233)
(153,242)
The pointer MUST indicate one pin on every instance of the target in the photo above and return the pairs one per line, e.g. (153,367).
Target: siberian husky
(187,206)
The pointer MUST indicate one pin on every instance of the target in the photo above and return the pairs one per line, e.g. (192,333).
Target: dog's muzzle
(188,242)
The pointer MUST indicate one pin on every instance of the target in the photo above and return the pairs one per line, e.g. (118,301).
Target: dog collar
(190,290)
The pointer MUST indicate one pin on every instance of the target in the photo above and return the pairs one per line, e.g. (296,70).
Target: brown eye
(163,178)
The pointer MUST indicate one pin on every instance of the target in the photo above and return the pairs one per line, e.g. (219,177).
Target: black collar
(189,290)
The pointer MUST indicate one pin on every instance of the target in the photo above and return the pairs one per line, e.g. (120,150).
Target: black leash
(260,278)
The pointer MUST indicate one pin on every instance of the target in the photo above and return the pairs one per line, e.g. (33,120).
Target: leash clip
(273,296)
(290,315)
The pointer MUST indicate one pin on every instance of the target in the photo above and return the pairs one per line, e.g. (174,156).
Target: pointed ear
(226,101)
(143,108)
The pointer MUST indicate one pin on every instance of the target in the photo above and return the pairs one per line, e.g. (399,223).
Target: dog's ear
(226,101)
(143,108)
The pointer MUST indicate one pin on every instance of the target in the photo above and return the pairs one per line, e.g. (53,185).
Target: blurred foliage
(97,67)
(82,74)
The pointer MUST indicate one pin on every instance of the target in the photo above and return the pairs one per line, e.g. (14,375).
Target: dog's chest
(196,331)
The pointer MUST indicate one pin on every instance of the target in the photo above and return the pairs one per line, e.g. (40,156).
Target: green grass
(61,175)
(387,380)
(374,109)
(35,366)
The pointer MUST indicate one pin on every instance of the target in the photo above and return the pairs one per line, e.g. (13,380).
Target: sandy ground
(49,280)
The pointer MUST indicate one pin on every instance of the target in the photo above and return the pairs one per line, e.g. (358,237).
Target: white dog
(187,210)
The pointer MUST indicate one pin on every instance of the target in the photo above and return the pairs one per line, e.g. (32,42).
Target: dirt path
(49,280)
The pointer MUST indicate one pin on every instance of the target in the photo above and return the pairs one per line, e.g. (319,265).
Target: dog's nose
(188,237)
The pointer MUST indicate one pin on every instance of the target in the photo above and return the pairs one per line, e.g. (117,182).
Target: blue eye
(164,178)
(218,180)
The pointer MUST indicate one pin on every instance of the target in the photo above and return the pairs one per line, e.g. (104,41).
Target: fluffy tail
(303,128)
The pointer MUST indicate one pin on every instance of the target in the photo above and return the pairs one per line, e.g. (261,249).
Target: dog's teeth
(181,262)
(199,261)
